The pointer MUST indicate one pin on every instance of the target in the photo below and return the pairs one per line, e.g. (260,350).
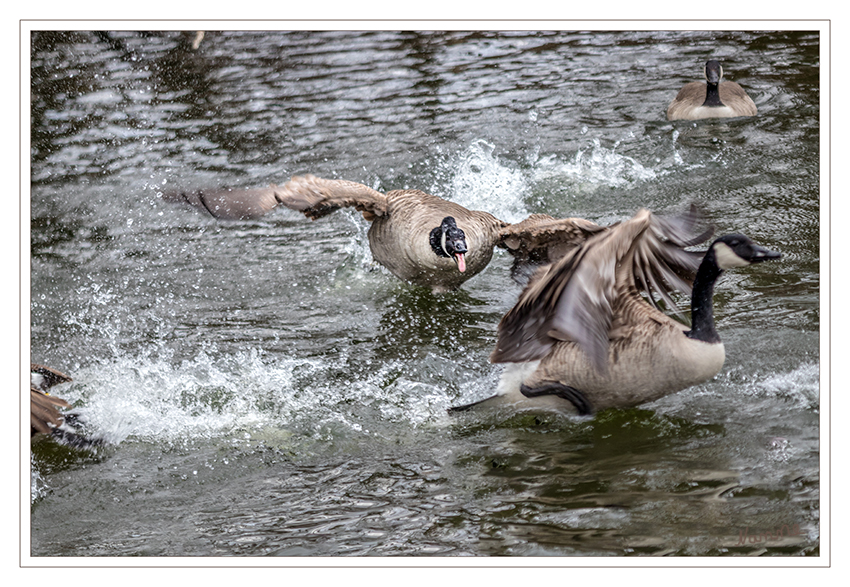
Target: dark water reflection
(269,390)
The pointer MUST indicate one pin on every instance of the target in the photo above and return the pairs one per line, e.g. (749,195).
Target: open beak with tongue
(454,245)
(461,262)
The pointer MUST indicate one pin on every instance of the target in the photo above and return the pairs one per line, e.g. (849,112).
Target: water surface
(267,389)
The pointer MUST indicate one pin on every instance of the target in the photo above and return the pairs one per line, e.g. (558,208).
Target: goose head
(727,252)
(737,250)
(713,72)
(447,240)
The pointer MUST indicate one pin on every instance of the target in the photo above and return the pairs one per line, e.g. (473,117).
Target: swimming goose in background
(419,238)
(583,339)
(45,418)
(712,99)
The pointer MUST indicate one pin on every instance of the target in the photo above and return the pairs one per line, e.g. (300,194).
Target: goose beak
(456,247)
(461,262)
(761,254)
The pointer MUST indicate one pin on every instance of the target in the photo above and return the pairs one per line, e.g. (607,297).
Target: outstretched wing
(573,299)
(317,197)
(229,204)
(541,239)
(314,196)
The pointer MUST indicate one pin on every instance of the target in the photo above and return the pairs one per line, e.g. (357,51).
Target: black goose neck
(712,95)
(702,304)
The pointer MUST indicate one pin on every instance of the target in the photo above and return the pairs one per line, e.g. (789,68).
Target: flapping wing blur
(661,264)
(573,299)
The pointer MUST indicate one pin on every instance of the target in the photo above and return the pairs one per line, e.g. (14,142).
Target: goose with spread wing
(581,338)
(420,238)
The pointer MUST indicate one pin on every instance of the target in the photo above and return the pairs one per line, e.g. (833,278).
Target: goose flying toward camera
(712,99)
(581,338)
(418,237)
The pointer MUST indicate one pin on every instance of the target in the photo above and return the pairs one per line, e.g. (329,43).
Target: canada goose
(419,238)
(45,418)
(582,337)
(712,99)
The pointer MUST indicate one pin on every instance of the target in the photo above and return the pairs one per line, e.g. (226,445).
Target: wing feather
(43,412)
(574,299)
(311,195)
(541,239)
(229,204)
(317,197)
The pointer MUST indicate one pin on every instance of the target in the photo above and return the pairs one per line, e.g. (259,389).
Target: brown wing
(733,94)
(541,239)
(660,265)
(574,299)
(314,196)
(317,197)
(43,412)
(692,93)
(229,204)
(50,377)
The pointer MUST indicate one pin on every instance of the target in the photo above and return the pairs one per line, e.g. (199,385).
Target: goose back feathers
(713,99)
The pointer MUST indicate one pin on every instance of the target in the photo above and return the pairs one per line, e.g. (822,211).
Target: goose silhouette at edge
(45,417)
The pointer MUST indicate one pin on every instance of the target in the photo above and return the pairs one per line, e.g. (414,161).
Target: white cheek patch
(443,243)
(726,257)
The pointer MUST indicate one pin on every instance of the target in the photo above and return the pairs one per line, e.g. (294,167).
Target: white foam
(801,385)
(595,166)
(151,398)
(37,486)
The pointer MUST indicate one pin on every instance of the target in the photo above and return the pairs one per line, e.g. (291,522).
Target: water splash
(150,397)
(480,181)
(593,167)
(38,488)
(802,385)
